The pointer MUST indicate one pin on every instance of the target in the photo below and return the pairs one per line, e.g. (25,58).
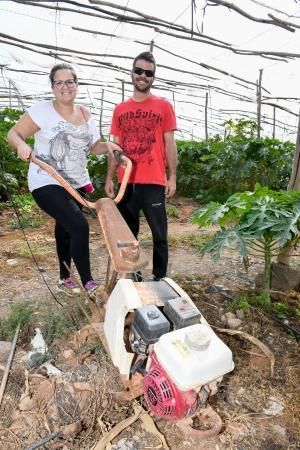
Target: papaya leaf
(210,214)
(228,238)
(288,228)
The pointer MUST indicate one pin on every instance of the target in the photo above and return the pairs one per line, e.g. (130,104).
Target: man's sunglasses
(140,71)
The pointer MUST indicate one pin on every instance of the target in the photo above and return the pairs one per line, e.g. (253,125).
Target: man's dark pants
(149,198)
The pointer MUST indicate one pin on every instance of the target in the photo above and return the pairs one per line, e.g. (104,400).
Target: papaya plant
(261,221)
(240,127)
(216,169)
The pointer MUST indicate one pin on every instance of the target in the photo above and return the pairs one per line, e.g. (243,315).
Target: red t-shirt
(140,127)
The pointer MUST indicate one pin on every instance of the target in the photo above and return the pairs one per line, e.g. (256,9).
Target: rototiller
(155,335)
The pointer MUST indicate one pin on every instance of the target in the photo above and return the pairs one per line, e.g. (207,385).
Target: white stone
(11,262)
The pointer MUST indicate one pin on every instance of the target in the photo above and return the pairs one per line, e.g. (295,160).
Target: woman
(64,134)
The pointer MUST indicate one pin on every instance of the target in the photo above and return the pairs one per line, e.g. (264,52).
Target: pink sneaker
(68,286)
(91,286)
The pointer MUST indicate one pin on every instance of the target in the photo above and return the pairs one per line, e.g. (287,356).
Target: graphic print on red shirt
(140,128)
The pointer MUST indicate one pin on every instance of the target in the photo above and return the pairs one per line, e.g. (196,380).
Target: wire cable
(40,270)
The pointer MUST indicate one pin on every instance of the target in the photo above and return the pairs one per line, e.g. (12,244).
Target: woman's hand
(23,129)
(24,151)
(112,147)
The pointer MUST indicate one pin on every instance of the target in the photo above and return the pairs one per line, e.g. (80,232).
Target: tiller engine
(164,348)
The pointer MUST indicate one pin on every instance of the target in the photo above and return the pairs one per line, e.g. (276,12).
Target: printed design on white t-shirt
(68,149)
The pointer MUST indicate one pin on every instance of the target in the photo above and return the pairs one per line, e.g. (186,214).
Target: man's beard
(144,88)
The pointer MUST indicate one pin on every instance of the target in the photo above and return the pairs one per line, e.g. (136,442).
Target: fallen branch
(151,428)
(148,422)
(108,437)
(255,341)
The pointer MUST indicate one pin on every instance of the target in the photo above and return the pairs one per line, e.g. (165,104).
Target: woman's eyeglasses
(140,71)
(68,83)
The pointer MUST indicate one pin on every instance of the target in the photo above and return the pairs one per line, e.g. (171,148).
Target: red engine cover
(163,398)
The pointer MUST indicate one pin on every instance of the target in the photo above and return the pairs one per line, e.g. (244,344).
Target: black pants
(71,229)
(150,198)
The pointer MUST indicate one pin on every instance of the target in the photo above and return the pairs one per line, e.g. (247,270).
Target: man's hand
(24,151)
(170,187)
(109,188)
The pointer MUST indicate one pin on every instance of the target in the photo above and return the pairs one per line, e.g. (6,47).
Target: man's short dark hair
(146,56)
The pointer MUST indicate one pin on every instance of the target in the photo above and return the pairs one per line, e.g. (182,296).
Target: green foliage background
(211,170)
(13,171)
(216,169)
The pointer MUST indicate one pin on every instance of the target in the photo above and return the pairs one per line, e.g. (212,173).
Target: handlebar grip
(126,176)
(125,244)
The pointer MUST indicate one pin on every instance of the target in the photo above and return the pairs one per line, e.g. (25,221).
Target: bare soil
(259,409)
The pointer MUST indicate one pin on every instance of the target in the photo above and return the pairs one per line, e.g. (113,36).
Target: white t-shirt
(62,145)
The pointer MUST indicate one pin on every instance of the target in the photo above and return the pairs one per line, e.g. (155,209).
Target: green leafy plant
(25,215)
(241,303)
(56,325)
(216,169)
(93,347)
(259,222)
(97,167)
(13,170)
(172,211)
(280,309)
(17,313)
(240,128)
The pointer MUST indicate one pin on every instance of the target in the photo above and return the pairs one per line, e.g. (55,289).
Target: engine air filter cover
(182,312)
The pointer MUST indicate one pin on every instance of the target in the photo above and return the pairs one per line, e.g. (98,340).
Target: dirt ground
(259,407)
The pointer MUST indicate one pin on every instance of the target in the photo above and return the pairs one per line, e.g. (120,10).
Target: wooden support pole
(294,184)
(9,93)
(192,18)
(152,46)
(123,91)
(101,115)
(259,103)
(274,122)
(205,118)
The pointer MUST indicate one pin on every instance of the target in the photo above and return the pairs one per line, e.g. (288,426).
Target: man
(144,127)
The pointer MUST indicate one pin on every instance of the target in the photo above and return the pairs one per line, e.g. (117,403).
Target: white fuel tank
(193,356)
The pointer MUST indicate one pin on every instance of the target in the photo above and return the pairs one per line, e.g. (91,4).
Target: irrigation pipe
(44,441)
